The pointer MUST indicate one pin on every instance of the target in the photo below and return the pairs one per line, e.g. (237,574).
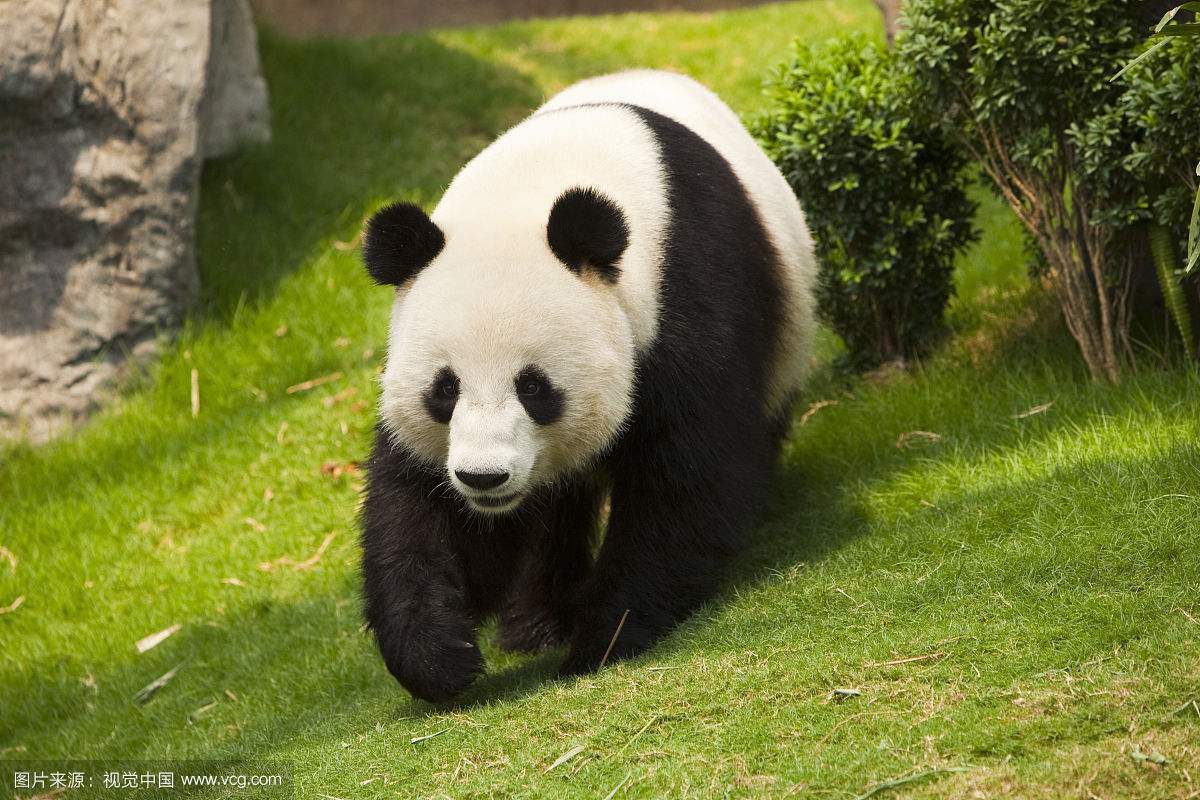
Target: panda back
(697,108)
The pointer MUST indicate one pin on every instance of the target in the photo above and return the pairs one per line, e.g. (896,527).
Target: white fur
(496,299)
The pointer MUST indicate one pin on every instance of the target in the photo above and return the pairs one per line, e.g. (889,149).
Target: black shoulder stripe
(719,291)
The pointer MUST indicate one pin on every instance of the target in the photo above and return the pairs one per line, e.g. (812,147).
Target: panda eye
(441,395)
(530,387)
(543,401)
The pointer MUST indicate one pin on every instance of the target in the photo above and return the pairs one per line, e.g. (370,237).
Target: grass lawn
(1013,596)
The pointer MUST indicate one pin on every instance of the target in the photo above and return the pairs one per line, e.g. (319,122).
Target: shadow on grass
(395,117)
(345,690)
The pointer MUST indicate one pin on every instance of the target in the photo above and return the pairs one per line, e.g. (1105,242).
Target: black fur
(441,396)
(542,400)
(687,476)
(399,242)
(587,231)
(432,570)
(692,471)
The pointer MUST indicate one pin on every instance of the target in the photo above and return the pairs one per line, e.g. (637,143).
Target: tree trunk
(891,18)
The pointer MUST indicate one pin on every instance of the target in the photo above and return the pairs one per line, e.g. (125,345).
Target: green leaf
(1171,286)
(1190,29)
(1140,59)
(1194,235)
(1170,15)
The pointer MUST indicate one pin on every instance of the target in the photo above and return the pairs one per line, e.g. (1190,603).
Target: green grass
(1046,564)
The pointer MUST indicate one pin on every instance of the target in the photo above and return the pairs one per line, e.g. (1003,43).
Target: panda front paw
(434,664)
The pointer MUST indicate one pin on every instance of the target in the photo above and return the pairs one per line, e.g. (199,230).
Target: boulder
(106,113)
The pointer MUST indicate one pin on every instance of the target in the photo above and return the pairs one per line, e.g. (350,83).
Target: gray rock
(106,112)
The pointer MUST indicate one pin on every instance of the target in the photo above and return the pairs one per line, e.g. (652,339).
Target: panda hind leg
(540,608)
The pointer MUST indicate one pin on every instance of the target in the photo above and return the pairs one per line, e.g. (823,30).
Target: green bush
(1140,155)
(1013,81)
(883,191)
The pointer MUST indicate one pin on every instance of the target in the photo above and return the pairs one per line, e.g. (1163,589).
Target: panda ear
(587,231)
(400,240)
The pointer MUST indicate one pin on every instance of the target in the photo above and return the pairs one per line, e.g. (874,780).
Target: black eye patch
(542,400)
(441,395)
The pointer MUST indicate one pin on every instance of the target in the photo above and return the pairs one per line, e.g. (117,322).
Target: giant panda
(612,302)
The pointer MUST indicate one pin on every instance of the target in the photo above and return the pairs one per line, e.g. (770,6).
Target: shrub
(1012,81)
(883,191)
(1141,154)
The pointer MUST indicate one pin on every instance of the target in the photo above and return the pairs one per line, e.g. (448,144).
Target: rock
(235,109)
(108,110)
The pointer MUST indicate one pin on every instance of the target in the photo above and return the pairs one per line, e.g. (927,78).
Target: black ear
(586,230)
(399,242)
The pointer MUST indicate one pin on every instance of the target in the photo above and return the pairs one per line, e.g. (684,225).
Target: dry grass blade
(195,392)
(564,758)
(426,737)
(8,556)
(1035,410)
(253,523)
(1191,705)
(232,582)
(201,711)
(152,688)
(312,560)
(910,438)
(618,787)
(343,395)
(304,386)
(898,782)
(155,639)
(308,563)
(613,641)
(350,245)
(13,606)
(641,730)
(814,408)
(909,660)
(336,470)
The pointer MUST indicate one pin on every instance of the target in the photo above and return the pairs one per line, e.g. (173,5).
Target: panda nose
(481,480)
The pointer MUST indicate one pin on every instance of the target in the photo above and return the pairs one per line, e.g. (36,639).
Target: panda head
(510,361)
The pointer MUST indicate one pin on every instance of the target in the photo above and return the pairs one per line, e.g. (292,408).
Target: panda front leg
(416,596)
(539,609)
(674,526)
